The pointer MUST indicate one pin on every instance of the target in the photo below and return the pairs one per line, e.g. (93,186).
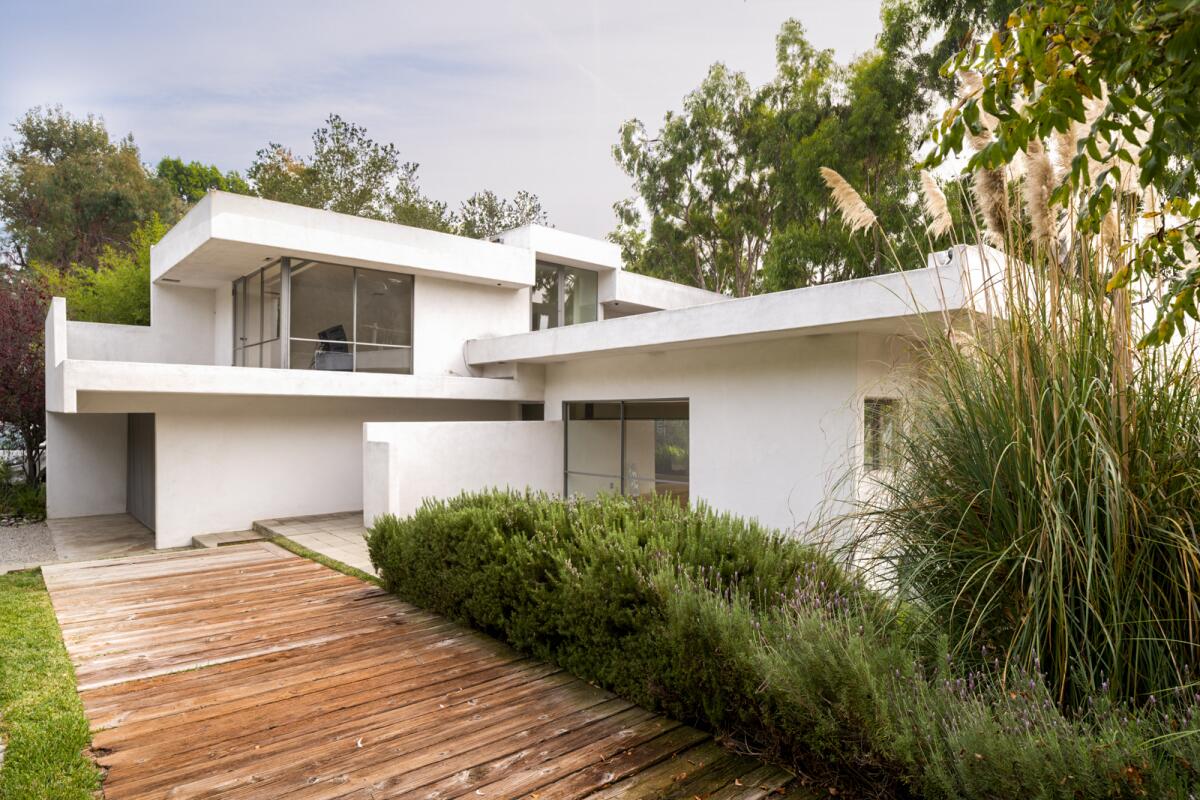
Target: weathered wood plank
(248,672)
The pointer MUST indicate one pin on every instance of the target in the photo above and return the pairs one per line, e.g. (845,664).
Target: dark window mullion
(262,308)
(354,323)
(285,313)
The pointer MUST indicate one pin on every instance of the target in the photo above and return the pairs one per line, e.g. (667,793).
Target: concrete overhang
(630,292)
(83,378)
(560,247)
(226,236)
(895,303)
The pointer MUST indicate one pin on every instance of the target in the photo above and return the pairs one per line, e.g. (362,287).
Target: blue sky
(500,95)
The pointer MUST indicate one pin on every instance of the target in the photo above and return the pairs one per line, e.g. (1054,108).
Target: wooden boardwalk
(248,672)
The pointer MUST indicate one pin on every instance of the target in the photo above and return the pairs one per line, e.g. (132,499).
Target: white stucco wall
(181,331)
(223,327)
(448,313)
(773,424)
(56,353)
(628,291)
(85,464)
(406,462)
(222,464)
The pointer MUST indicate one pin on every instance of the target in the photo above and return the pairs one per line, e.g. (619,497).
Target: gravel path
(27,545)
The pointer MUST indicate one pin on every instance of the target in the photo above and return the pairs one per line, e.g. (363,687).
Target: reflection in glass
(239,314)
(579,295)
(545,297)
(591,485)
(329,355)
(272,290)
(322,302)
(373,358)
(563,296)
(270,354)
(384,307)
(336,314)
(879,428)
(640,448)
(253,333)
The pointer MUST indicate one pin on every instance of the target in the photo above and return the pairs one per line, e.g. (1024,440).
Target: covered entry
(100,464)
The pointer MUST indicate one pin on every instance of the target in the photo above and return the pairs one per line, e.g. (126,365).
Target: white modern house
(303,362)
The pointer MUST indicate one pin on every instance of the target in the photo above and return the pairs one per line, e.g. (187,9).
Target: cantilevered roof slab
(226,236)
(895,303)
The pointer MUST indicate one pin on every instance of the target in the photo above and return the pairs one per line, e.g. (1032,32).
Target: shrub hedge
(770,645)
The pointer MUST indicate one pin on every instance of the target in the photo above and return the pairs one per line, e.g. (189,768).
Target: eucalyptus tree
(728,195)
(351,173)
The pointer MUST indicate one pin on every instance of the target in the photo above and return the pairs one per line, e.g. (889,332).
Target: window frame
(284,332)
(243,344)
(560,295)
(879,420)
(621,419)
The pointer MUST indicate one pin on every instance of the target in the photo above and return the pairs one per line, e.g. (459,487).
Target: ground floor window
(630,447)
(879,432)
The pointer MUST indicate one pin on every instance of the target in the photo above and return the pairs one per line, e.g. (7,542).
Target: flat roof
(561,247)
(893,303)
(226,236)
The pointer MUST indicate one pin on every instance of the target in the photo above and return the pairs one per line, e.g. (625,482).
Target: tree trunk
(33,449)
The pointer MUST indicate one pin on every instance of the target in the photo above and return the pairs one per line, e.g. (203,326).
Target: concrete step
(226,537)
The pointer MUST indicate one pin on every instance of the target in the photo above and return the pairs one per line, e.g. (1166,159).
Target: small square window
(879,432)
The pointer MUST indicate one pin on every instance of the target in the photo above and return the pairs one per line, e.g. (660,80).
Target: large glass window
(330,317)
(256,301)
(636,448)
(563,296)
(272,310)
(545,297)
(322,317)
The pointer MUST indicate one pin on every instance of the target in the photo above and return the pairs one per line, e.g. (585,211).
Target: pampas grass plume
(850,204)
(1038,186)
(936,207)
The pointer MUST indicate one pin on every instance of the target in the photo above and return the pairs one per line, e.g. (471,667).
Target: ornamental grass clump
(1046,500)
(1049,501)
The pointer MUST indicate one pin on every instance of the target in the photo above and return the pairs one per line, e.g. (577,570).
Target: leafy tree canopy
(351,173)
(1120,81)
(484,214)
(23,365)
(117,291)
(67,190)
(936,30)
(193,180)
(728,193)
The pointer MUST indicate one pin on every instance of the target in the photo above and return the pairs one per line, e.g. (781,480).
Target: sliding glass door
(631,447)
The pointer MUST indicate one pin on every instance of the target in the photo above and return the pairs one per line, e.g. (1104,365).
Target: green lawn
(324,560)
(41,718)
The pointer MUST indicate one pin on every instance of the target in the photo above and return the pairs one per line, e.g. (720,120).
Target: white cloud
(500,95)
